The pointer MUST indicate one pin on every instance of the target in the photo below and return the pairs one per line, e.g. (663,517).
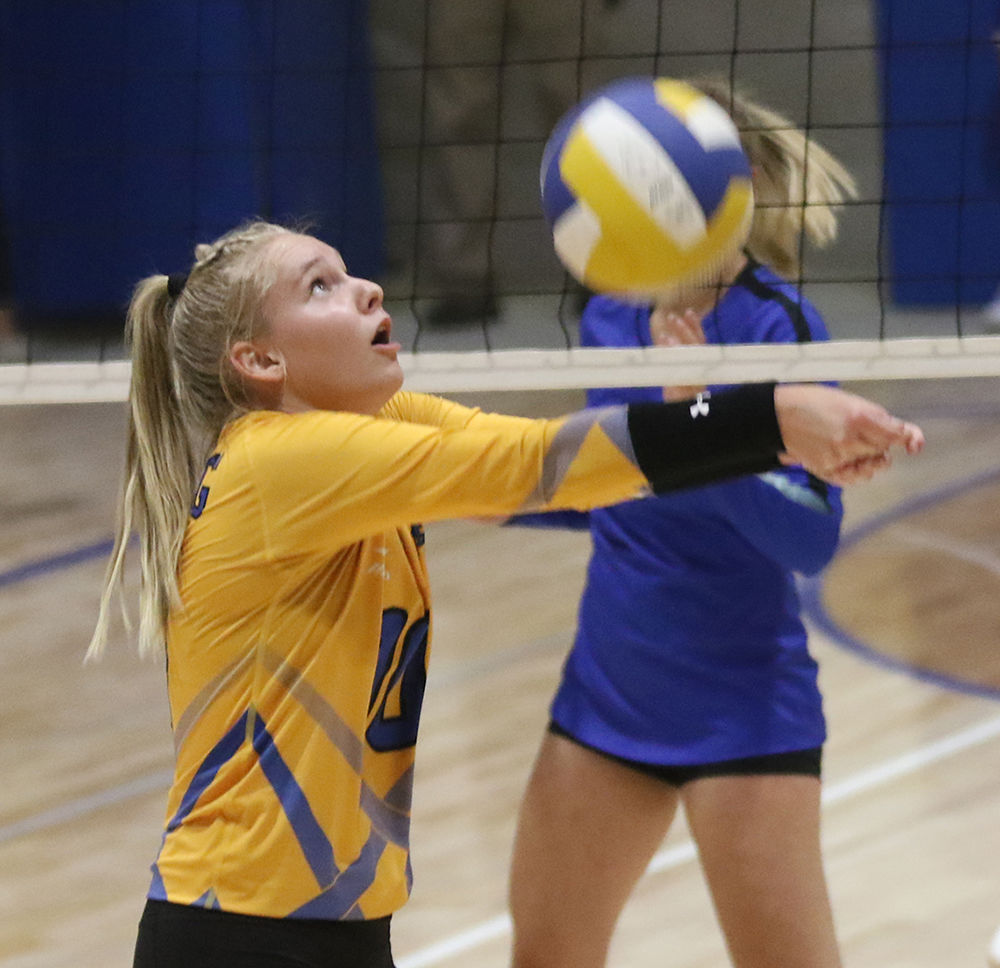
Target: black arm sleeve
(685,444)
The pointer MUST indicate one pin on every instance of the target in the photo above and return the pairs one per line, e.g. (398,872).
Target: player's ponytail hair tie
(176,282)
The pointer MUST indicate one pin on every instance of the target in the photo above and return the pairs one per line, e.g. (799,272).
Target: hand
(838,436)
(669,328)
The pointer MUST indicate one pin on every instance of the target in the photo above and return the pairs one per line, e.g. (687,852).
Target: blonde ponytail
(183,391)
(798,184)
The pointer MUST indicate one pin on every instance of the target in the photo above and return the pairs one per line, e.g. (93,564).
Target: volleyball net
(410,136)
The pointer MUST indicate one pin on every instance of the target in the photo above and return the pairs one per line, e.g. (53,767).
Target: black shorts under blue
(805,762)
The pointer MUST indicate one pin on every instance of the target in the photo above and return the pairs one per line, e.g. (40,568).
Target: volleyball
(646,188)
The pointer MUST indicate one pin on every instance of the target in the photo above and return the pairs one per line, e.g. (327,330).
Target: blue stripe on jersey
(223,751)
(340,900)
(315,845)
(157,889)
(391,815)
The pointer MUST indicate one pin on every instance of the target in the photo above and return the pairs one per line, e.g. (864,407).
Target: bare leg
(587,829)
(758,839)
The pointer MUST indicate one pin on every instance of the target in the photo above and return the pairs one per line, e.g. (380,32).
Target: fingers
(862,469)
(915,441)
(874,427)
(908,436)
(852,472)
(670,328)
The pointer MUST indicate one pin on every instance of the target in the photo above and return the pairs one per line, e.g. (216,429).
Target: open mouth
(382,334)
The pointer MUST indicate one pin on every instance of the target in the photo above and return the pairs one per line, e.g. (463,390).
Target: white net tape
(839,360)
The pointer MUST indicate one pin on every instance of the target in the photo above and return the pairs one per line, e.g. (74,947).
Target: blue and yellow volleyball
(647,188)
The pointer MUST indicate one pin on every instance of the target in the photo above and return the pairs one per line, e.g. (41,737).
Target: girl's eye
(318,285)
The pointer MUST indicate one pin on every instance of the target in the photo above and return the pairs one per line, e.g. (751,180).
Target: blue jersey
(689,647)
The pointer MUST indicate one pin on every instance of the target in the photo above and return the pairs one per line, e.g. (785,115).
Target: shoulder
(427,409)
(270,436)
(262,426)
(401,405)
(779,312)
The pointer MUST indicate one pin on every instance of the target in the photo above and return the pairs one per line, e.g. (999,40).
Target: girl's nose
(371,295)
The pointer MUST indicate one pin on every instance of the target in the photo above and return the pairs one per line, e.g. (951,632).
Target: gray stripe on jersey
(391,816)
(326,717)
(206,697)
(613,421)
(393,824)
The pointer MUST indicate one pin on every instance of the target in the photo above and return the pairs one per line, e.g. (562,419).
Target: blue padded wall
(942,155)
(131,131)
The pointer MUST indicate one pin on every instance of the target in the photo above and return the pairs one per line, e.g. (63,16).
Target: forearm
(680,445)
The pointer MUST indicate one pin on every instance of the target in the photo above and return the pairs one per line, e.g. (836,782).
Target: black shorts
(804,762)
(180,936)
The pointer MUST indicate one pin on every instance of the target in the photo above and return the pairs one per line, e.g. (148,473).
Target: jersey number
(398,731)
(201,499)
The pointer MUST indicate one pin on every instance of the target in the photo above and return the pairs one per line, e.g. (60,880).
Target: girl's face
(327,332)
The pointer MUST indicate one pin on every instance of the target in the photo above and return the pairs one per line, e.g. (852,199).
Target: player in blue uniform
(690,681)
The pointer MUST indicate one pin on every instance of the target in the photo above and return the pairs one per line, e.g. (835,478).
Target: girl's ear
(257,365)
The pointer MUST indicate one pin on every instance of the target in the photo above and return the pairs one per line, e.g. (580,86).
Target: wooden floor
(907,632)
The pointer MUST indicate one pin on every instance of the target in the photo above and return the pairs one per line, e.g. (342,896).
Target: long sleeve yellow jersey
(297,658)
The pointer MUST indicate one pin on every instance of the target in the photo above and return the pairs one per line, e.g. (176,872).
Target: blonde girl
(277,476)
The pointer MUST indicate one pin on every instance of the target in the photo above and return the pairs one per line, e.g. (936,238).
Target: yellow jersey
(297,658)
